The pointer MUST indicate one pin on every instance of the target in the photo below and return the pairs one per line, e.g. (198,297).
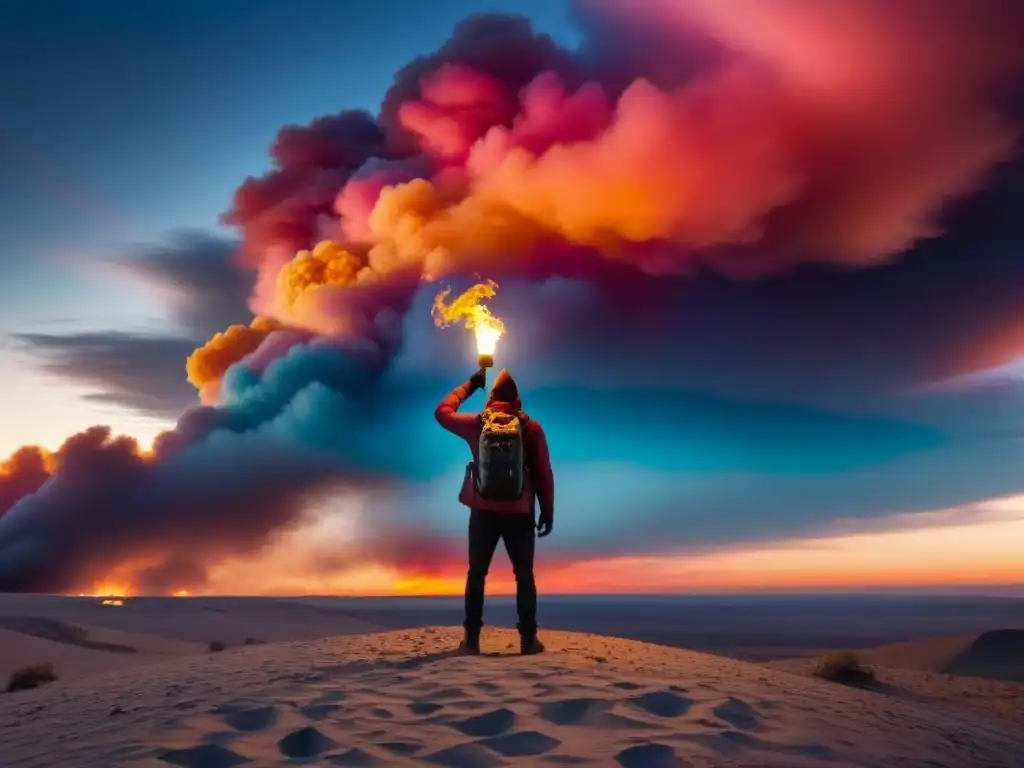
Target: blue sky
(764,410)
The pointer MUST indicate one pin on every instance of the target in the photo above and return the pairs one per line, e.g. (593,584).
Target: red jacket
(539,482)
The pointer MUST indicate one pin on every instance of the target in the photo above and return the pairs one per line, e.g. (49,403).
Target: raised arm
(465,425)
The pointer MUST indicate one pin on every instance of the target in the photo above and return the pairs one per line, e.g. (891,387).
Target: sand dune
(401,698)
(20,650)
(995,698)
(82,636)
(193,620)
(997,654)
(77,651)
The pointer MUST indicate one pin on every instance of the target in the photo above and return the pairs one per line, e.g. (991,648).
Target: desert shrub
(31,677)
(252,641)
(216,646)
(844,667)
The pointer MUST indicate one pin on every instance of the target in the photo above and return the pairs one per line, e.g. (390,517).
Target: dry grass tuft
(845,667)
(30,677)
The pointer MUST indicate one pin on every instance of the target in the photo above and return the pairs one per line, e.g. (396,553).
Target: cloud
(949,306)
(139,372)
(194,276)
(719,279)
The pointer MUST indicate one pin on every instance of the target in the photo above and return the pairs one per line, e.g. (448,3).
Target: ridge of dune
(79,650)
(402,698)
(996,654)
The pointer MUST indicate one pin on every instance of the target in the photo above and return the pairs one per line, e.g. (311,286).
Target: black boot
(529,645)
(470,641)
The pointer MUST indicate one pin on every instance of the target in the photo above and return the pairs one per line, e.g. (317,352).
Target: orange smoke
(441,226)
(207,365)
(327,264)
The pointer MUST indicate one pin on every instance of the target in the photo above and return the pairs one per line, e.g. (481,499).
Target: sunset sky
(787,352)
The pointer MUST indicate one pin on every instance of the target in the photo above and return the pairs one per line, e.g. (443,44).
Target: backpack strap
(524,421)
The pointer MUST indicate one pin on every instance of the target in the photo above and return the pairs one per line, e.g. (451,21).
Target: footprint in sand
(255,719)
(738,714)
(465,756)
(305,743)
(521,744)
(650,756)
(573,711)
(425,707)
(204,756)
(662,703)
(493,723)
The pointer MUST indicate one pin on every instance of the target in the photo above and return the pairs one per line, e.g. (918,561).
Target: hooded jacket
(539,482)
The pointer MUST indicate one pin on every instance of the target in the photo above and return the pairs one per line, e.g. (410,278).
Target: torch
(468,308)
(486,340)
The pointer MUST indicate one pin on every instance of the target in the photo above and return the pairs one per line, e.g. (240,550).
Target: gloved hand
(544,526)
(477,381)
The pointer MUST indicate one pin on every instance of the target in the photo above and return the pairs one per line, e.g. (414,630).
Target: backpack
(501,470)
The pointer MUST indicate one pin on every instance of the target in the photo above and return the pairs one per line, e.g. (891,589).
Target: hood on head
(505,390)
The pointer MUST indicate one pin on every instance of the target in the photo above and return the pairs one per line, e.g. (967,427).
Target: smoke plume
(745,138)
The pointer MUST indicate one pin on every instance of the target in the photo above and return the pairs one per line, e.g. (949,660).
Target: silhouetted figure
(510,471)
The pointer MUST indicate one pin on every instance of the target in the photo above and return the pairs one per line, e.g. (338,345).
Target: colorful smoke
(742,137)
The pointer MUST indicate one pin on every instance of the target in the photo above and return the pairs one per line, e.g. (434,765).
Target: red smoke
(893,108)
(749,137)
(760,136)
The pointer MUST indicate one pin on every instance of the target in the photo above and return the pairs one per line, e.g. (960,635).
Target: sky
(761,273)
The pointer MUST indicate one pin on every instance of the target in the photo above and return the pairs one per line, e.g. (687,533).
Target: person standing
(509,477)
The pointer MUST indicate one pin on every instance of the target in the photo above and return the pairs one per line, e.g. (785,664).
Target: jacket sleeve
(464,425)
(543,475)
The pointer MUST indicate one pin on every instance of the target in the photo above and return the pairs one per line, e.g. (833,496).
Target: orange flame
(468,307)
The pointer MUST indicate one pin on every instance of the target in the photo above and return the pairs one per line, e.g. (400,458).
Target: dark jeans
(518,532)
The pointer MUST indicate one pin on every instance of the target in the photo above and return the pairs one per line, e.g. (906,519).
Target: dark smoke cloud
(195,277)
(137,371)
(291,207)
(947,307)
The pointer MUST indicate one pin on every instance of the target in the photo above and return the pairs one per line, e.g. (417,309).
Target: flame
(112,601)
(486,339)
(468,307)
(181,593)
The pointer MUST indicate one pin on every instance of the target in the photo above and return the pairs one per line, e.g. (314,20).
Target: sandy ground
(401,698)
